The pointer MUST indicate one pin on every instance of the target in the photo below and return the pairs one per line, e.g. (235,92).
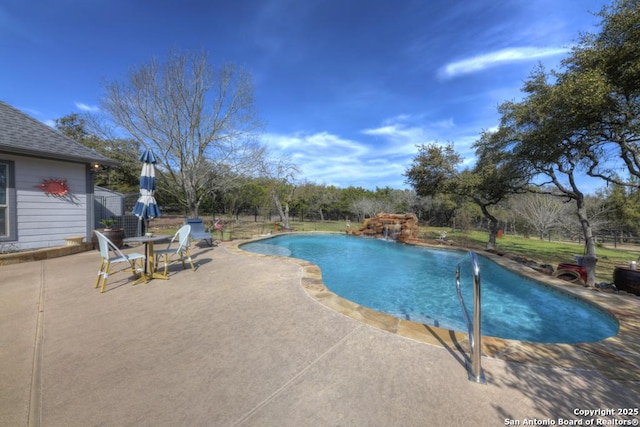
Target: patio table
(149,260)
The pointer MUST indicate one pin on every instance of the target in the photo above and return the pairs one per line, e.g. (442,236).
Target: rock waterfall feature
(399,227)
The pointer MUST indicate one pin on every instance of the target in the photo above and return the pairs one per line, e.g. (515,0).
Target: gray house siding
(44,220)
(36,152)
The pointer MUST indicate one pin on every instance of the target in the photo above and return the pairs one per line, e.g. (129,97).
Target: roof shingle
(22,134)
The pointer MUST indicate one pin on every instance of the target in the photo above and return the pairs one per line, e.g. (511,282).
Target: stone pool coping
(616,357)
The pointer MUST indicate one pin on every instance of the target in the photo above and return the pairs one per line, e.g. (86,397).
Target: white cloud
(492,59)
(329,159)
(317,144)
(85,107)
(378,159)
(401,140)
(445,124)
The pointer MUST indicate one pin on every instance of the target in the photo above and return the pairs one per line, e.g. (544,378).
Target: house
(46,184)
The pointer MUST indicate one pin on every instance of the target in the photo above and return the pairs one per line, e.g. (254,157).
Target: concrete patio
(251,341)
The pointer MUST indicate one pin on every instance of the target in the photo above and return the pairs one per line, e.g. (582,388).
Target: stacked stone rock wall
(399,227)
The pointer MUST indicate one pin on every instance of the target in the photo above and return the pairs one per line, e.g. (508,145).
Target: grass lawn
(553,253)
(541,251)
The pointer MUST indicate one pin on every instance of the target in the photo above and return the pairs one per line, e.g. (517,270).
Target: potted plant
(221,231)
(115,234)
(108,224)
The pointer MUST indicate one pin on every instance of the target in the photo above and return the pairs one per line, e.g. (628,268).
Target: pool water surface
(418,284)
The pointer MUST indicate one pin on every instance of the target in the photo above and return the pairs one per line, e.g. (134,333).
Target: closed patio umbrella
(146,207)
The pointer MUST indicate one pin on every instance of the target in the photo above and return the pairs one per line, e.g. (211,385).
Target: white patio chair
(175,252)
(107,260)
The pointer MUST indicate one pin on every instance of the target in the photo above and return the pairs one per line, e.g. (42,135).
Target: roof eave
(101,160)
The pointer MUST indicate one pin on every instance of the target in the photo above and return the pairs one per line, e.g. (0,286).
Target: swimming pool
(418,284)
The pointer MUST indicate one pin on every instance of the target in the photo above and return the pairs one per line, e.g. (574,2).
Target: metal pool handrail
(475,372)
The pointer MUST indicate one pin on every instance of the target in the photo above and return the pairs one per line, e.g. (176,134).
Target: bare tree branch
(199,121)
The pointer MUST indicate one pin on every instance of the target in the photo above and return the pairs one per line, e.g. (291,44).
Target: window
(8,210)
(4,202)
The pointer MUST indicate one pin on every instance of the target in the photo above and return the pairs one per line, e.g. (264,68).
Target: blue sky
(347,88)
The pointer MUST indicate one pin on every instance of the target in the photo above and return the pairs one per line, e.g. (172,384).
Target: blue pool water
(418,284)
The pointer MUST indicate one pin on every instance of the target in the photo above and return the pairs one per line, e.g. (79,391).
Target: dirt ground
(168,221)
(243,228)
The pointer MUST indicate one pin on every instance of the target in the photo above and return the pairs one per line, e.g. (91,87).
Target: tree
(543,212)
(348,202)
(125,177)
(329,196)
(582,119)
(493,178)
(432,174)
(255,195)
(597,212)
(624,206)
(75,127)
(282,176)
(199,121)
(601,83)
(433,169)
(417,204)
(445,210)
(307,196)
(542,134)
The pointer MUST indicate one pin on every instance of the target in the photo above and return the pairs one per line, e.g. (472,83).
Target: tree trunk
(493,226)
(285,224)
(276,201)
(282,212)
(589,260)
(193,210)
